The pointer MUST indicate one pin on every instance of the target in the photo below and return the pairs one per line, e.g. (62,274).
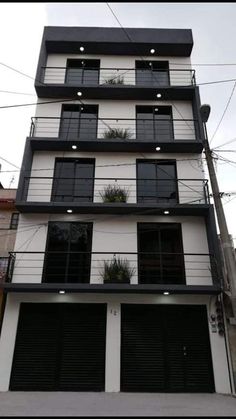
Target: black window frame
(144,64)
(44,273)
(80,110)
(158,161)
(167,110)
(74,160)
(180,232)
(83,67)
(14,223)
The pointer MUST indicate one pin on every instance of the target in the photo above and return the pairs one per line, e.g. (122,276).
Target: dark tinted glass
(82,72)
(152,73)
(79,122)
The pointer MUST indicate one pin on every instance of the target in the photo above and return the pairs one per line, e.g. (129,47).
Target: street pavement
(115,404)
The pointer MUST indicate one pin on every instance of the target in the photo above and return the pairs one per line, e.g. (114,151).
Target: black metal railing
(112,267)
(94,128)
(117,76)
(105,190)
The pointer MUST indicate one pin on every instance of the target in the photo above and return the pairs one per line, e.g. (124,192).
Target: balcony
(128,195)
(112,272)
(116,83)
(109,134)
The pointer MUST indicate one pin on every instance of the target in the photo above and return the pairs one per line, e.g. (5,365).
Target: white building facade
(115,281)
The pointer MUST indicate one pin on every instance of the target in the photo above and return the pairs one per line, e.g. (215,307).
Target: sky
(214,33)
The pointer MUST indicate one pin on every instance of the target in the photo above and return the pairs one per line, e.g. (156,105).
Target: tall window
(154,123)
(160,253)
(82,72)
(73,180)
(149,73)
(79,122)
(14,221)
(68,253)
(156,181)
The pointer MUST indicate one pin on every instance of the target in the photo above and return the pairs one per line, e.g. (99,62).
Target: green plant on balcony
(114,80)
(124,134)
(114,193)
(117,271)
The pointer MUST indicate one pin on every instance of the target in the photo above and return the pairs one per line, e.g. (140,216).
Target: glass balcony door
(156,182)
(73,180)
(79,122)
(154,123)
(160,256)
(64,257)
(82,72)
(152,73)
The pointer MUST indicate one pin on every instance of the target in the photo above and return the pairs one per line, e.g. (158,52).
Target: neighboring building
(107,295)
(8,226)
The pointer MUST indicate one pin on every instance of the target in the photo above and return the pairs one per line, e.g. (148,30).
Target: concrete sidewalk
(115,404)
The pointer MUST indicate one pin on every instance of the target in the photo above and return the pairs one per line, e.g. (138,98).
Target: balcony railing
(144,130)
(92,190)
(111,77)
(121,267)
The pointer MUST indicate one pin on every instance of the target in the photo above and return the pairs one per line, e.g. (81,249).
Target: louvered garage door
(165,349)
(60,347)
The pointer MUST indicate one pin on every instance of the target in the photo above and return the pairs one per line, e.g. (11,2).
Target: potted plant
(117,133)
(115,80)
(114,193)
(117,271)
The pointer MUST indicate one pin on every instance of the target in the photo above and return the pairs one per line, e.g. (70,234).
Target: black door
(78,122)
(60,347)
(156,181)
(152,73)
(73,180)
(160,254)
(154,123)
(68,253)
(82,72)
(165,349)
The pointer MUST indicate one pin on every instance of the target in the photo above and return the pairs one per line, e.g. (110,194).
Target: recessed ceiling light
(166,212)
(81,49)
(152,51)
(79,93)
(158,148)
(156,109)
(159,95)
(74,147)
(166,293)
(62,292)
(69,211)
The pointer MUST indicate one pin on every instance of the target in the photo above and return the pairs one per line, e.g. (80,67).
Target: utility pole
(230,261)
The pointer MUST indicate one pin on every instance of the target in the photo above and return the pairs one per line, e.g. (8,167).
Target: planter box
(114,281)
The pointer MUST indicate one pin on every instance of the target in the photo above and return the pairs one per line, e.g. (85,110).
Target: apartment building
(117,284)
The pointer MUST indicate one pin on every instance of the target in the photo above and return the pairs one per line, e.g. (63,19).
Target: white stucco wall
(112,112)
(56,63)
(112,234)
(113,343)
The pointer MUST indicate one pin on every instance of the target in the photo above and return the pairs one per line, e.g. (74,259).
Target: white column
(7,341)
(112,380)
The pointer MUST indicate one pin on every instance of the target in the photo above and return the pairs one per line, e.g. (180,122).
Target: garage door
(165,349)
(60,347)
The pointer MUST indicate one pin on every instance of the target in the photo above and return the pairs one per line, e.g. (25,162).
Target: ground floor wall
(113,331)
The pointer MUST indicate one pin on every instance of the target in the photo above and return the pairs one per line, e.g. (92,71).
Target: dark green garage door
(60,347)
(165,349)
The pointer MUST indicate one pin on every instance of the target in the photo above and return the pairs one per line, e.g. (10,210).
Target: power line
(7,161)
(226,143)
(225,110)
(17,93)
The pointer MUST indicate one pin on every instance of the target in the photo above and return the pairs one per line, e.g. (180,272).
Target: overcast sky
(214,34)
